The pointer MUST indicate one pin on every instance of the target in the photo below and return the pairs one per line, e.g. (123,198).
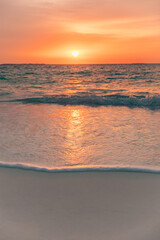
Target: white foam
(82,168)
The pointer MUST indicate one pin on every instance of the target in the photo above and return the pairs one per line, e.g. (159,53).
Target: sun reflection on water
(75,136)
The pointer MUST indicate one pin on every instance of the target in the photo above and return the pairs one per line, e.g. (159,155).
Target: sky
(102,31)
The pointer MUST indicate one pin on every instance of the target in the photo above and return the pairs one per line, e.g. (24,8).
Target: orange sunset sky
(102,31)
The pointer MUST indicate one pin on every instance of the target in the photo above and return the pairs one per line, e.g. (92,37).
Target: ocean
(80,117)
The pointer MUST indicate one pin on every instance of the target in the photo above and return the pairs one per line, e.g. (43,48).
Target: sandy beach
(81,205)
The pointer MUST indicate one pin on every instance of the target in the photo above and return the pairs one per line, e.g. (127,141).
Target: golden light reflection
(75,135)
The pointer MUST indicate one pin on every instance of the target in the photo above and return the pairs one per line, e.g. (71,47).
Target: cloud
(35,26)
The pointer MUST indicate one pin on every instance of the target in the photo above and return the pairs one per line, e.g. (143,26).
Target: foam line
(81,169)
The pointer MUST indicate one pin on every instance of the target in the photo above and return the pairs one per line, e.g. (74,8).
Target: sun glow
(75,53)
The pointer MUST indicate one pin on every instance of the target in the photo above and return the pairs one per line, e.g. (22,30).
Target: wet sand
(79,206)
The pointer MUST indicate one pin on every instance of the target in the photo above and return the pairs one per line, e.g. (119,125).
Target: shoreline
(83,168)
(79,205)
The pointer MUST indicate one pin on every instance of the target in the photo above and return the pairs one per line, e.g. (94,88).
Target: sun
(75,53)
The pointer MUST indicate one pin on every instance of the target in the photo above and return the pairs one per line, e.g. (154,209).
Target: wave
(152,102)
(81,169)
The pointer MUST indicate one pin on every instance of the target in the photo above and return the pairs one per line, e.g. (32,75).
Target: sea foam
(81,169)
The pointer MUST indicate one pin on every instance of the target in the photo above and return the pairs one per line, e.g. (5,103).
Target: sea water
(80,117)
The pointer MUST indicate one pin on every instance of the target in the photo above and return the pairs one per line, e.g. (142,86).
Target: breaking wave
(152,102)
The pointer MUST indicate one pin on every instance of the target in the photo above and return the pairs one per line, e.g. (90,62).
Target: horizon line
(78,63)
